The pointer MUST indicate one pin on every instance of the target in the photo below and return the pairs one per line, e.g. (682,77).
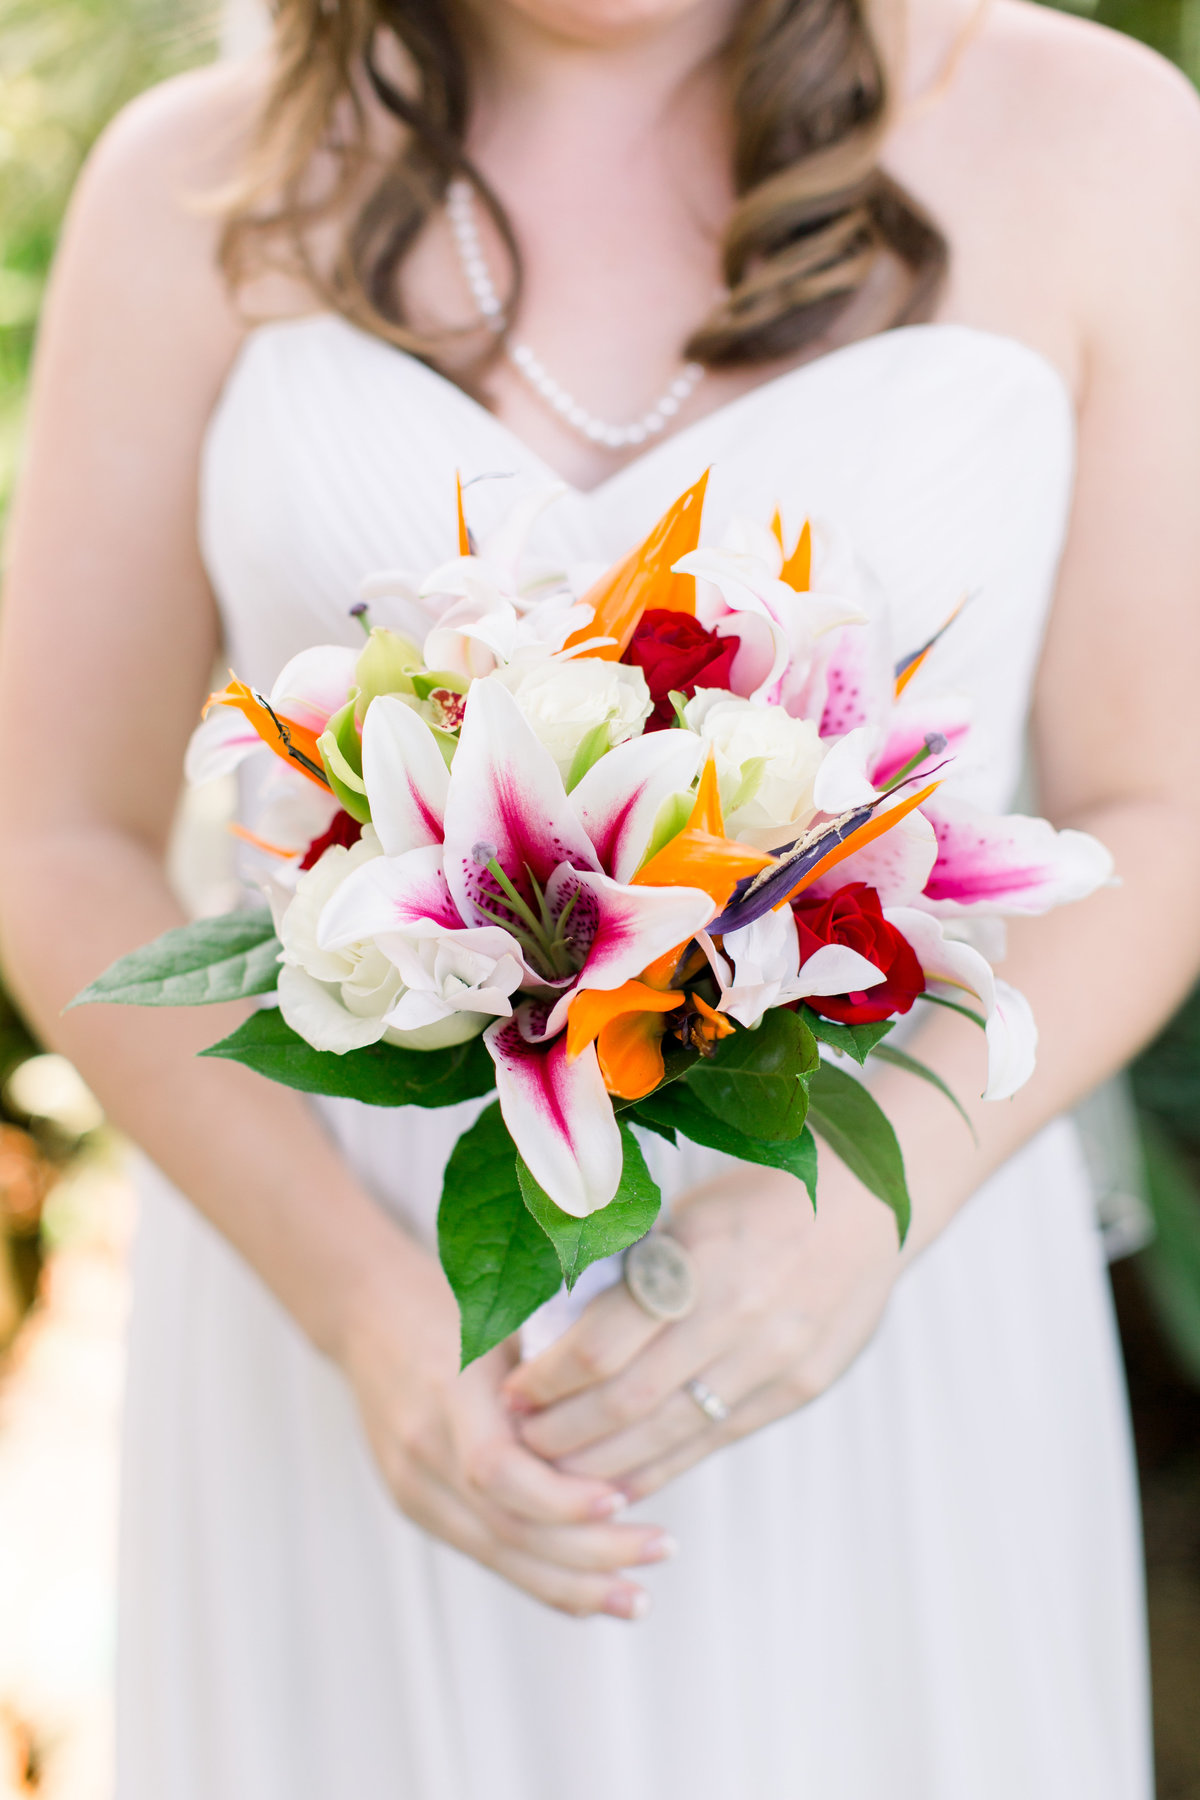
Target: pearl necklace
(460,212)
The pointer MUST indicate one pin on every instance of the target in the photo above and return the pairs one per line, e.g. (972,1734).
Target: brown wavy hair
(814,212)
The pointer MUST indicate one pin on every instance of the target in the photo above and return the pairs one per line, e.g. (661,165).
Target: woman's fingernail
(518,1403)
(659,1549)
(607,1506)
(628,1603)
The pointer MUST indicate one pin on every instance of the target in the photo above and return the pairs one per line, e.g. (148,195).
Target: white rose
(766,762)
(565,701)
(335,999)
(452,978)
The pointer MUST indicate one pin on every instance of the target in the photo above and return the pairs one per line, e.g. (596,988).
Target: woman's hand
(786,1302)
(449,1452)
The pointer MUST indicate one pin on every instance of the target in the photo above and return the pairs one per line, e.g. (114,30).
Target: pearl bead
(461,217)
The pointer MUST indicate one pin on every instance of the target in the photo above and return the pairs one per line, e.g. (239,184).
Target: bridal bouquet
(668,852)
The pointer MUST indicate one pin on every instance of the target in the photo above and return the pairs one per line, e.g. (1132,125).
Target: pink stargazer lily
(1009,864)
(497,842)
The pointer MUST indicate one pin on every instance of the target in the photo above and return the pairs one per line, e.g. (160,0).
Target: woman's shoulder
(182,137)
(1063,161)
(1084,99)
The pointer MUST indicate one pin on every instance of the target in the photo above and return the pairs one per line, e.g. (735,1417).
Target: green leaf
(670,820)
(757,1081)
(857,1129)
(752,772)
(380,1075)
(498,1260)
(590,748)
(627,1217)
(856,1040)
(967,1012)
(902,1060)
(678,1107)
(636,1117)
(341,753)
(227,958)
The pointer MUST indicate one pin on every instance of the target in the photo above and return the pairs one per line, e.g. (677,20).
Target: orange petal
(464,536)
(864,835)
(797,568)
(700,855)
(594,1008)
(629,1049)
(718,1026)
(706,814)
(252,838)
(906,674)
(697,859)
(296,744)
(644,579)
(665,970)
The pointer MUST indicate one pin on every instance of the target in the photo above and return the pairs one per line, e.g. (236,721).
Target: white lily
(1008,1018)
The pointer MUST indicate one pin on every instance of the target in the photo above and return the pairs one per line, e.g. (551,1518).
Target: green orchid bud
(385,666)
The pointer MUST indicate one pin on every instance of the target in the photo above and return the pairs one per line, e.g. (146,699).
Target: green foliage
(854,1040)
(900,1059)
(379,1075)
(757,1081)
(65,67)
(857,1129)
(627,1217)
(498,1260)
(229,958)
(676,1108)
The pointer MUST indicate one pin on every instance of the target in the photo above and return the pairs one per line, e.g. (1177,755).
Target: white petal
(619,798)
(560,1117)
(219,744)
(834,969)
(842,781)
(405,774)
(315,1010)
(1012,1043)
(315,685)
(455,1028)
(1009,1022)
(388,894)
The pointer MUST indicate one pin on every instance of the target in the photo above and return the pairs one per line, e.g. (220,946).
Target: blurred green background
(65,67)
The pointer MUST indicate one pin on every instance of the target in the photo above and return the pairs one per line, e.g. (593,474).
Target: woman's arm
(109,640)
(788,1300)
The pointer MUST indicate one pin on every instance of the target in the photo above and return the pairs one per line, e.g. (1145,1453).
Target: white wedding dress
(926,1586)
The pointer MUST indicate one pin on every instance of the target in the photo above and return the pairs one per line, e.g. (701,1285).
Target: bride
(895,1558)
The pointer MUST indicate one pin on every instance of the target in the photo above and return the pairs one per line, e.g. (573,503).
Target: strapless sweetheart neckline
(923,336)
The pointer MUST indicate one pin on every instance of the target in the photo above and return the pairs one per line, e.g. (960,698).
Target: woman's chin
(603,23)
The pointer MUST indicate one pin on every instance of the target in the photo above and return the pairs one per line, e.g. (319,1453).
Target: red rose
(854,917)
(674,651)
(344,831)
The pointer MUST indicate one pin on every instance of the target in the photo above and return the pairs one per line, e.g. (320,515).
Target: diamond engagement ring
(661,1277)
(710,1404)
